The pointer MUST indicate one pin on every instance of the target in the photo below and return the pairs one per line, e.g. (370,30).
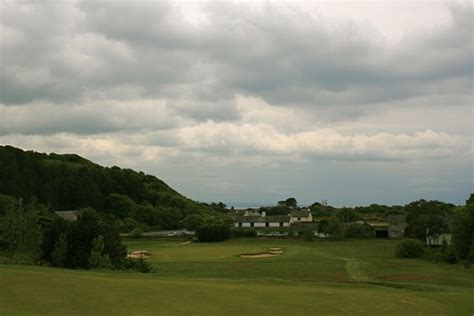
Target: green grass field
(322,277)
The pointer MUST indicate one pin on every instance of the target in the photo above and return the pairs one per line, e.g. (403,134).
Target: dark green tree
(98,258)
(427,218)
(21,235)
(193,221)
(59,253)
(463,232)
(291,202)
(347,215)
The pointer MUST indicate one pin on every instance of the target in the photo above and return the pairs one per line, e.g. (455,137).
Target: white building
(261,220)
(303,216)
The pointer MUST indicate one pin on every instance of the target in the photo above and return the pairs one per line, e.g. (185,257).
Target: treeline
(68,182)
(461,249)
(423,218)
(91,242)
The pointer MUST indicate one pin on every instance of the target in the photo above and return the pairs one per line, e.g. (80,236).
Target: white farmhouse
(303,216)
(261,220)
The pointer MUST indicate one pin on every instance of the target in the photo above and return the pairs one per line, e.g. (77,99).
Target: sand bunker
(275,252)
(271,253)
(257,255)
(139,254)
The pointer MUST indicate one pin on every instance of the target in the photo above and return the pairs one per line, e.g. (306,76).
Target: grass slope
(353,277)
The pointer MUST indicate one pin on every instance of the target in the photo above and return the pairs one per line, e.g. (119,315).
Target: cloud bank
(182,90)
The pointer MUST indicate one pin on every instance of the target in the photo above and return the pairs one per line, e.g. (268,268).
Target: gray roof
(302,225)
(261,219)
(299,213)
(277,218)
(248,212)
(69,216)
(397,218)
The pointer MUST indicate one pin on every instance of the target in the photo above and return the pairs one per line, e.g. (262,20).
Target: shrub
(244,233)
(59,253)
(139,265)
(137,232)
(360,231)
(308,235)
(409,248)
(448,253)
(98,258)
(432,254)
(212,233)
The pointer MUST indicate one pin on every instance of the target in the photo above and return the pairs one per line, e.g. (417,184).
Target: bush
(409,248)
(432,254)
(244,233)
(360,231)
(98,258)
(308,235)
(139,265)
(212,233)
(137,232)
(448,253)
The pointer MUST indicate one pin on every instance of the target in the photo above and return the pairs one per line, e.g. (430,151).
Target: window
(299,218)
(267,224)
(251,224)
(240,224)
(281,224)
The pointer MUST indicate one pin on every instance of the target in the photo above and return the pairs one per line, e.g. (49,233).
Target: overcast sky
(350,102)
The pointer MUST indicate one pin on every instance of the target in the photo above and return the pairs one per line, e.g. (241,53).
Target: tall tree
(98,258)
(464,232)
(21,234)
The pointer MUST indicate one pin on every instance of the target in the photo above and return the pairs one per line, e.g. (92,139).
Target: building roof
(397,218)
(69,216)
(246,213)
(299,213)
(261,219)
(301,226)
(277,218)
(378,224)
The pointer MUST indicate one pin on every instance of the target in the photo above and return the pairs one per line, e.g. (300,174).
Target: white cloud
(282,84)
(321,143)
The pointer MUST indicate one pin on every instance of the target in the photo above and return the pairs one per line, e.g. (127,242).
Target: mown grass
(323,277)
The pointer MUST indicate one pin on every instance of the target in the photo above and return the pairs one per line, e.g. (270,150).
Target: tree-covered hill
(70,182)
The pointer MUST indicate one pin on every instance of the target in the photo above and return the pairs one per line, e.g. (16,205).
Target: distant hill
(70,182)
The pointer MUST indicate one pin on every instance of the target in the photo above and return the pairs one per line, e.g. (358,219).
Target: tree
(463,232)
(59,253)
(98,258)
(21,235)
(193,221)
(470,199)
(308,235)
(6,203)
(89,226)
(137,232)
(347,215)
(409,248)
(427,218)
(214,230)
(118,204)
(335,229)
(291,202)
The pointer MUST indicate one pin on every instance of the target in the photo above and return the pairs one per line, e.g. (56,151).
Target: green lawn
(322,277)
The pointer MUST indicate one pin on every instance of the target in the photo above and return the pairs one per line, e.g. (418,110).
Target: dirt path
(352,268)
